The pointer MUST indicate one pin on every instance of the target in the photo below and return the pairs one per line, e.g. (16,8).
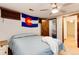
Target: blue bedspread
(32,45)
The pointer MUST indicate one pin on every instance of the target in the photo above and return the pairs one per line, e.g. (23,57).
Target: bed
(23,44)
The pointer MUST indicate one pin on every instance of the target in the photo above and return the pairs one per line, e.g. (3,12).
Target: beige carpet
(70,47)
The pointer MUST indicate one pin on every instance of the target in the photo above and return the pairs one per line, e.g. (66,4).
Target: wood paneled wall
(10,14)
(78,30)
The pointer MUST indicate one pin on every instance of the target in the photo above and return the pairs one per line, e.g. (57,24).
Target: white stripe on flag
(33,21)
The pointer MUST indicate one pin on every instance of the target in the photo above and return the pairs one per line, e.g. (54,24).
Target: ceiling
(64,8)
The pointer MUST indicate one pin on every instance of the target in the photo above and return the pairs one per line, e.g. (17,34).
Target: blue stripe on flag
(25,25)
(32,17)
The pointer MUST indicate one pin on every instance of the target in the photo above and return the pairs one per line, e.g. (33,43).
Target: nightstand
(3,47)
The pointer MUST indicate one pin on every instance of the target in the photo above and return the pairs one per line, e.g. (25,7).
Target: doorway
(70,30)
(70,34)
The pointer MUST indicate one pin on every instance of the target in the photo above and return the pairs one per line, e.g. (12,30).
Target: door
(71,29)
(45,27)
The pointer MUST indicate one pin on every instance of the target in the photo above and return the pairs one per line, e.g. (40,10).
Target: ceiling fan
(52,5)
(54,8)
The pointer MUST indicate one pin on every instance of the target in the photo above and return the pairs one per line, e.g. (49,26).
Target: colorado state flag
(29,21)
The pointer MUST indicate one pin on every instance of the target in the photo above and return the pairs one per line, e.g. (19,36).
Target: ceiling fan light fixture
(55,10)
(53,5)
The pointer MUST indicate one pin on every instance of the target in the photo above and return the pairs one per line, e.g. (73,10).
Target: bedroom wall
(65,28)
(10,27)
(59,28)
(50,27)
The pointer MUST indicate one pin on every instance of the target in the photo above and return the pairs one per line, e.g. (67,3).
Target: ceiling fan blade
(67,4)
(63,11)
(44,9)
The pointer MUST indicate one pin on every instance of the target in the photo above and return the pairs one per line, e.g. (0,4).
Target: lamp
(54,8)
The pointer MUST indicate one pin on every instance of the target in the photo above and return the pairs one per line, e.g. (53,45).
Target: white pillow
(52,43)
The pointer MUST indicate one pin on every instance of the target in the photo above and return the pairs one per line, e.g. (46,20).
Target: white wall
(10,27)
(59,28)
(50,27)
(65,28)
(75,28)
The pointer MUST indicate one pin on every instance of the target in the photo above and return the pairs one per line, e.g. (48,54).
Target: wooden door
(45,27)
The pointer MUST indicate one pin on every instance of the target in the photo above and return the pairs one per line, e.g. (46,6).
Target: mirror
(53,28)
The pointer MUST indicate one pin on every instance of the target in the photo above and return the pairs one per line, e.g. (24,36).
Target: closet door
(45,27)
